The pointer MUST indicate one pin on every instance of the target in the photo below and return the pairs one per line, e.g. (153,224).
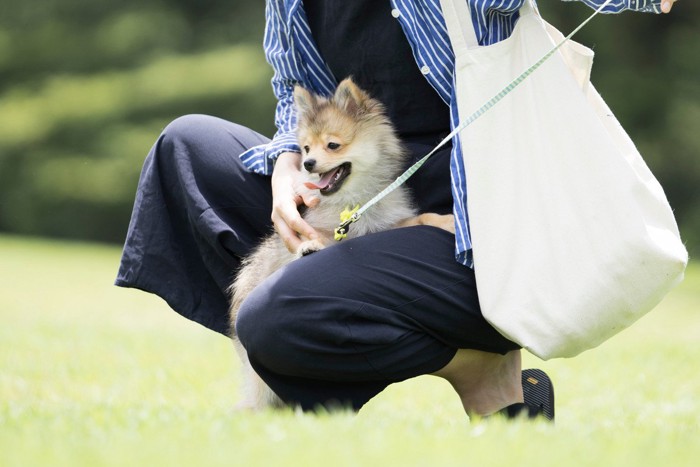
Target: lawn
(94,375)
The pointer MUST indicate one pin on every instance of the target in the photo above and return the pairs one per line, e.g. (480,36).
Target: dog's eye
(333,146)
(307,149)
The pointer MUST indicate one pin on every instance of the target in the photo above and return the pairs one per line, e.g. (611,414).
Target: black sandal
(538,393)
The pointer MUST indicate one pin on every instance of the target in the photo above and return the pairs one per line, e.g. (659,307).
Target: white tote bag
(573,237)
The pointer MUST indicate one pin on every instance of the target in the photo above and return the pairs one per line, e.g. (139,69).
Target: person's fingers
(289,225)
(310,197)
(288,193)
(666,5)
(302,228)
(289,237)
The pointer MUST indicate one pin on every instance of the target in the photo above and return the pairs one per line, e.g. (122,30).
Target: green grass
(91,374)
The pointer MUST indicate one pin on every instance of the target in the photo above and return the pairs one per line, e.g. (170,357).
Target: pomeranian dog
(351,152)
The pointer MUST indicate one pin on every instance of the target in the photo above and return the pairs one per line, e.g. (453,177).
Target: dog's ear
(351,98)
(304,101)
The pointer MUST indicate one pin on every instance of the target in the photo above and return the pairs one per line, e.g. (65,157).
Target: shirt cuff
(618,6)
(646,6)
(261,159)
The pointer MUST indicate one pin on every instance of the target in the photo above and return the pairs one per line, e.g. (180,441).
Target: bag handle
(460,27)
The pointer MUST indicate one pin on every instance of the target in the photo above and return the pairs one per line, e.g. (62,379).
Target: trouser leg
(197,211)
(341,324)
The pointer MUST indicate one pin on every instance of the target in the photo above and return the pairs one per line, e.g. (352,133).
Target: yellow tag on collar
(346,218)
(340,234)
(348,213)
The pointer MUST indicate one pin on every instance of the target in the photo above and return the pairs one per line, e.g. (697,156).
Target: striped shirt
(290,49)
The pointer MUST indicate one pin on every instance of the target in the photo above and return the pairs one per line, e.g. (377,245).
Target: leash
(349,216)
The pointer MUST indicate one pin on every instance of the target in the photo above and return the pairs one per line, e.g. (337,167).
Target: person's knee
(262,330)
(286,330)
(188,131)
(201,147)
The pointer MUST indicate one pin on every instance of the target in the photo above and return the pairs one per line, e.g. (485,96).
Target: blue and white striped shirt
(290,49)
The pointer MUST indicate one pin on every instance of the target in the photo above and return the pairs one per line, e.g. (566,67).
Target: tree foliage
(87,86)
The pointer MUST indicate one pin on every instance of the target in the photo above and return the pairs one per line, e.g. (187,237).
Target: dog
(351,152)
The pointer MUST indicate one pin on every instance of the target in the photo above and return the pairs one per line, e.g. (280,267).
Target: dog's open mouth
(331,181)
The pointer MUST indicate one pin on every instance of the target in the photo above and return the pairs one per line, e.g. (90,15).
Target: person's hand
(288,193)
(666,5)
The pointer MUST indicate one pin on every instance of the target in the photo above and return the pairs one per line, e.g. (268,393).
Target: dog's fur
(351,130)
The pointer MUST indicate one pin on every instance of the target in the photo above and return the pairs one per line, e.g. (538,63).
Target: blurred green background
(87,86)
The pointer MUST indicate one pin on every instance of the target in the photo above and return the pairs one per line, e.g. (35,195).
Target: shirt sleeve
(617,6)
(280,53)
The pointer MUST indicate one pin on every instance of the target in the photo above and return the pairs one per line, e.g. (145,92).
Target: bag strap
(460,28)
(459,23)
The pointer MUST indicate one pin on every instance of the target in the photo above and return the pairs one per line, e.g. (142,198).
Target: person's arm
(287,72)
(281,157)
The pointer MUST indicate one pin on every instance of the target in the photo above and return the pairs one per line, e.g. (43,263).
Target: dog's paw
(445,222)
(308,247)
(442,221)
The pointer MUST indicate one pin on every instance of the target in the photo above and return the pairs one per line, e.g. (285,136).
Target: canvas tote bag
(573,237)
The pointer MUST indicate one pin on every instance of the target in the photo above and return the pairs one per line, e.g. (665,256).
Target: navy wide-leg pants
(335,327)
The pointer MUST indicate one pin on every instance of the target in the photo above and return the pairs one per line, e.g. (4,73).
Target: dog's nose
(309,164)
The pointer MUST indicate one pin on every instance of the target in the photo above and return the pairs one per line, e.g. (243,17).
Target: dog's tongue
(323,182)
